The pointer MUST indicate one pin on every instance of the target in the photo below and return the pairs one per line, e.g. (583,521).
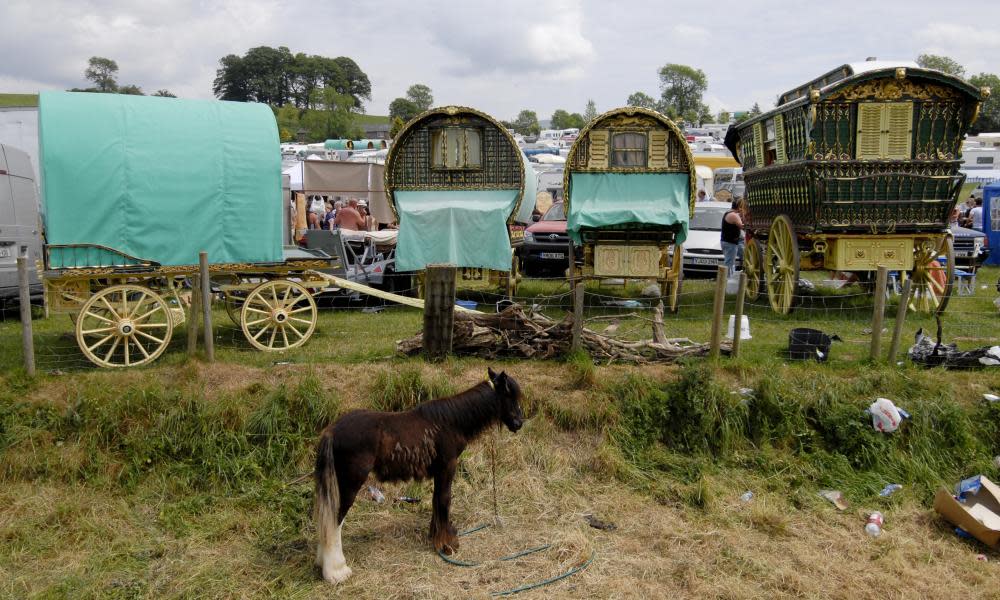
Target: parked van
(20,229)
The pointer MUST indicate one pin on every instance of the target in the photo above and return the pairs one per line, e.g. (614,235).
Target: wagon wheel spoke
(284,336)
(270,342)
(292,327)
(127,361)
(100,342)
(261,332)
(149,337)
(303,309)
(114,345)
(252,309)
(101,330)
(141,347)
(257,322)
(114,313)
(298,320)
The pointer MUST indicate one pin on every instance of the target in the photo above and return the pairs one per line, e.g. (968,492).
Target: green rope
(516,555)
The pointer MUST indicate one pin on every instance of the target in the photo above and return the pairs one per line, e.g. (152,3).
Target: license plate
(704,261)
(559,255)
(472,274)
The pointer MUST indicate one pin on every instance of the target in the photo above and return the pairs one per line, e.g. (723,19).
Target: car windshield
(708,219)
(555,213)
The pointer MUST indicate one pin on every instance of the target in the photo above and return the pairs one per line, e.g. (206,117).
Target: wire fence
(354,327)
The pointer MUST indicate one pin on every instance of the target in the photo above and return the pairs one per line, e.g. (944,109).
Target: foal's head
(509,398)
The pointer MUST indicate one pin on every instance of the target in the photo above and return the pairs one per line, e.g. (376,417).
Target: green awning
(161,178)
(466,228)
(615,199)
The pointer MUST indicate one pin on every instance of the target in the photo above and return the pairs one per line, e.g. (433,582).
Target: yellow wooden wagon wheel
(932,281)
(278,315)
(124,326)
(781,264)
(752,266)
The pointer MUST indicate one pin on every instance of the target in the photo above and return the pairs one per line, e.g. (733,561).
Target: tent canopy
(161,178)
(364,181)
(614,199)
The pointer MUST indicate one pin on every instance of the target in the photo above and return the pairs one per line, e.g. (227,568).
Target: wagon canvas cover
(466,228)
(615,199)
(161,178)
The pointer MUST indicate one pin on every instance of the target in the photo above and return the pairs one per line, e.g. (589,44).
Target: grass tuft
(401,389)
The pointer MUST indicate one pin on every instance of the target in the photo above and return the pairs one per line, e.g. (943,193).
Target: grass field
(176,480)
(18,99)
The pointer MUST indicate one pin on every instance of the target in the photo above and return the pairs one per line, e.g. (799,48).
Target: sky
(500,56)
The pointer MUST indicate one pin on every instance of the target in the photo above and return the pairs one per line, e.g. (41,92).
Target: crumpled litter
(925,351)
(886,416)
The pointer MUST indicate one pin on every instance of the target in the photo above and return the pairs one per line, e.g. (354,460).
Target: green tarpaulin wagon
(134,189)
(855,170)
(630,184)
(459,184)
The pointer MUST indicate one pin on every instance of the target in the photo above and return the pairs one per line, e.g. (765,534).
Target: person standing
(732,233)
(350,218)
(976,215)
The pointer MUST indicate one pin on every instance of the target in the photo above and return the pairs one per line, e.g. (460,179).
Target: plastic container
(873,526)
(747,496)
(469,304)
(744,327)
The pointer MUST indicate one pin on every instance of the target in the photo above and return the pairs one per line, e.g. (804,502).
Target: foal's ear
(492,374)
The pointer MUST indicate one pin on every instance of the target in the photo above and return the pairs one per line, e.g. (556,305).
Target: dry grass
(71,536)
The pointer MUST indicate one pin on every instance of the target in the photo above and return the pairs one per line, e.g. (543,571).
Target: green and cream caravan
(630,184)
(457,181)
(856,169)
(134,189)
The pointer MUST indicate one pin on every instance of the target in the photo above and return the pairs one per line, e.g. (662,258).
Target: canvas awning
(612,199)
(466,228)
(364,181)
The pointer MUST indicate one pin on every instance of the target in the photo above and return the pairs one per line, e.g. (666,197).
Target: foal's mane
(469,411)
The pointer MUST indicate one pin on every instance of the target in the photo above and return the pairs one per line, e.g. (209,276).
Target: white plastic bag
(886,416)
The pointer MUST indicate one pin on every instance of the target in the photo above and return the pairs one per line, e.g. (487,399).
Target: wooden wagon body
(629,184)
(854,170)
(459,185)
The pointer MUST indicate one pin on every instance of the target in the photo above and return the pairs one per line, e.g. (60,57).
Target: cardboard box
(978,513)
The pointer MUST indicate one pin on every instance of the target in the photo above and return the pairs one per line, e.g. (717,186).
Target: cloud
(515,39)
(691,32)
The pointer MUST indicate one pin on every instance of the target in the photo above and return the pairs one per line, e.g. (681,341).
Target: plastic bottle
(873,526)
(747,497)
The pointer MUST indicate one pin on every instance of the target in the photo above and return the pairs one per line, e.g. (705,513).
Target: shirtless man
(350,218)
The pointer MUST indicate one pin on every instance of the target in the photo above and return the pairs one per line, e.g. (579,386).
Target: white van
(20,229)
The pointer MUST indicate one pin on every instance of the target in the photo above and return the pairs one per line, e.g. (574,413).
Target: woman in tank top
(732,233)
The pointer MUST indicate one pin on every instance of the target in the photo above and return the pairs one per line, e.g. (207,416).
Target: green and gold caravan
(630,184)
(457,180)
(854,170)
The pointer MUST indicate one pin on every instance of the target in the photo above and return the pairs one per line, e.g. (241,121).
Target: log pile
(516,333)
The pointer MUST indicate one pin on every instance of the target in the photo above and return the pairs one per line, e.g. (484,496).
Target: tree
(403,109)
(526,123)
(397,126)
(989,113)
(333,116)
(354,83)
(682,87)
(723,117)
(102,71)
(560,119)
(131,90)
(164,94)
(941,63)
(642,100)
(590,113)
(755,110)
(288,119)
(420,95)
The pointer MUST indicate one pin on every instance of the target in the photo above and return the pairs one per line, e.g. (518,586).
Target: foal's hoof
(448,546)
(338,575)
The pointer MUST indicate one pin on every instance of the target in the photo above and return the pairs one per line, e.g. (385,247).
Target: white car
(702,251)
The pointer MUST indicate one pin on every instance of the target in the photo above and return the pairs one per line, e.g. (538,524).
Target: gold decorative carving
(887,89)
(900,73)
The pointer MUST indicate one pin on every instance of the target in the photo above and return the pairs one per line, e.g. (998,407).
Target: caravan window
(628,149)
(456,148)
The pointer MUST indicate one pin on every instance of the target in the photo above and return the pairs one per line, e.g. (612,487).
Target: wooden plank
(439,310)
(878,313)
(24,298)
(206,307)
(377,293)
(897,330)
(194,317)
(577,316)
(720,303)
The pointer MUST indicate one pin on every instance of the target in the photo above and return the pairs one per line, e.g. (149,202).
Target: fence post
(194,316)
(897,330)
(24,296)
(206,306)
(439,310)
(720,304)
(738,316)
(878,313)
(577,316)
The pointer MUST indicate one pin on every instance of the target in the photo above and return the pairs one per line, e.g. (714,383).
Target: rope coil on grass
(515,556)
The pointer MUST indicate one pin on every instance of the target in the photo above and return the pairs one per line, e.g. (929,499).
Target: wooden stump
(439,310)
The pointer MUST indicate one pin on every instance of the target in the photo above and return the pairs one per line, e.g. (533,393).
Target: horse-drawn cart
(855,170)
(630,184)
(134,188)
(458,183)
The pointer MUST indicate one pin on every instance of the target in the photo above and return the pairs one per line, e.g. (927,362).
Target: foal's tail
(327,490)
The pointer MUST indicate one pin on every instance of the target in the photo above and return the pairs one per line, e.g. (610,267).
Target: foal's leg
(443,534)
(351,475)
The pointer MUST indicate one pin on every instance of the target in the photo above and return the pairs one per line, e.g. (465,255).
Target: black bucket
(805,344)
